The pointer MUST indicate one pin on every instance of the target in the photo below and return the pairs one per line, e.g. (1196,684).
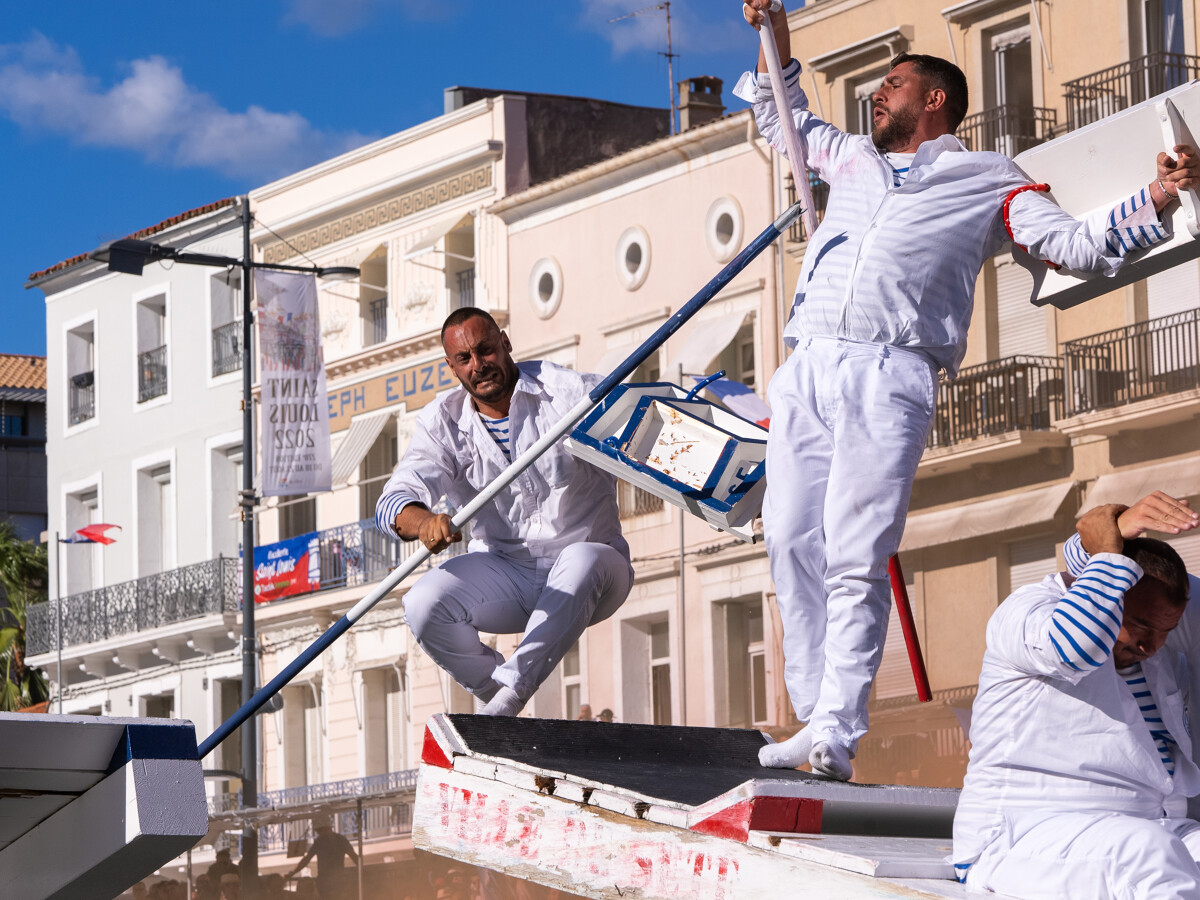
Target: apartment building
(1053,411)
(23,444)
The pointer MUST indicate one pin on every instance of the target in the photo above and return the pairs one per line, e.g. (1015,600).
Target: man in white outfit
(1081,763)
(546,556)
(883,302)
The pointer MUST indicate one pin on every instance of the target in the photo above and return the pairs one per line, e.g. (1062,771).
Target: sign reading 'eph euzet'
(295,416)
(415,386)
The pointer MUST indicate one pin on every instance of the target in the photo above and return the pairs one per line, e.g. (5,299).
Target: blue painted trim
(169,740)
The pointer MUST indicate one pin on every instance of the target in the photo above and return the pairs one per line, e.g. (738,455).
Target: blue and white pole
(518,465)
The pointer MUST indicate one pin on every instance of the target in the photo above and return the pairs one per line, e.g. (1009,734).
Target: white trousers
(447,608)
(849,421)
(1090,856)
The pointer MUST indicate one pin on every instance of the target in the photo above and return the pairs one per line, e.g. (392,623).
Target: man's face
(481,356)
(897,107)
(1149,618)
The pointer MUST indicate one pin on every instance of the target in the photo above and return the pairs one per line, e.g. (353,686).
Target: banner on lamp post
(294,411)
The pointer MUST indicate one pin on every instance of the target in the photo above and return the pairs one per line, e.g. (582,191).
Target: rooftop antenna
(665,6)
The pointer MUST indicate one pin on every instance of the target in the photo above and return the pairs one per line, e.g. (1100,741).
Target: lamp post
(130,257)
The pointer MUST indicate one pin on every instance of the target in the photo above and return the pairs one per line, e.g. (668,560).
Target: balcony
(1110,90)
(387,805)
(633,501)
(1007,129)
(226,348)
(139,605)
(81,398)
(152,374)
(820,192)
(1000,410)
(1142,375)
(376,322)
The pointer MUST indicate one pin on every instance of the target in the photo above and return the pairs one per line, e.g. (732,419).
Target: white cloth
(556,502)
(898,264)
(848,427)
(547,556)
(447,608)
(1059,747)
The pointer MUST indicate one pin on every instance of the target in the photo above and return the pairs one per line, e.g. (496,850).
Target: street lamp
(130,257)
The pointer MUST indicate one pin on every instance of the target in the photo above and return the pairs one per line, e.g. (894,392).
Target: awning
(704,343)
(358,440)
(1180,478)
(613,357)
(435,233)
(985,517)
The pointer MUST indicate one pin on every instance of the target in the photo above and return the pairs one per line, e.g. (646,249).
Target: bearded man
(883,303)
(546,556)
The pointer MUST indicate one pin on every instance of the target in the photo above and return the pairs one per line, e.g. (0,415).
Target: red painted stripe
(432,753)
(793,815)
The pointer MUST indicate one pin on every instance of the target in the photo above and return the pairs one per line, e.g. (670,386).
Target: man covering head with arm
(1080,761)
(883,303)
(546,555)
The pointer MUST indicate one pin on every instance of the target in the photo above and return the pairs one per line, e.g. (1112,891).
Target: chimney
(699,101)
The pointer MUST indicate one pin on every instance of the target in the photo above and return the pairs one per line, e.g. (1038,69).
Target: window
(745,664)
(297,515)
(633,501)
(660,673)
(81,561)
(14,420)
(225,480)
(459,256)
(737,359)
(464,288)
(545,287)
(859,108)
(156,519)
(1030,561)
(894,677)
(225,304)
(632,258)
(229,699)
(1008,124)
(81,373)
(160,706)
(571,683)
(152,347)
(302,736)
(377,468)
(723,228)
(385,722)
(373,298)
(1021,328)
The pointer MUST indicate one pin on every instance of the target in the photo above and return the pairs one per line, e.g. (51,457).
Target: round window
(545,287)
(633,257)
(723,228)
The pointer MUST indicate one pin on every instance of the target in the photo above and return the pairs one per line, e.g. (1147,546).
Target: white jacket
(556,502)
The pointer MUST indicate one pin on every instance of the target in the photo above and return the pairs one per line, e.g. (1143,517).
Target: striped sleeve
(1075,556)
(1133,224)
(1086,621)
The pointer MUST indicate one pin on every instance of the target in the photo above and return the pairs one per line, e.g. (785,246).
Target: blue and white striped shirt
(498,429)
(1085,623)
(1140,689)
(898,264)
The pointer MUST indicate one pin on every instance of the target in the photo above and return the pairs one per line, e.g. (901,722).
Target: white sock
(787,755)
(831,760)
(504,703)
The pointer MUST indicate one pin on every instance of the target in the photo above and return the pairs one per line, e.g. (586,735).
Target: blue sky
(114,116)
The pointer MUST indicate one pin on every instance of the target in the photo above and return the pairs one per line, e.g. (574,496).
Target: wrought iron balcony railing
(152,374)
(1017,393)
(390,820)
(359,553)
(1008,129)
(82,397)
(1118,87)
(376,322)
(633,501)
(226,348)
(820,192)
(138,605)
(1161,356)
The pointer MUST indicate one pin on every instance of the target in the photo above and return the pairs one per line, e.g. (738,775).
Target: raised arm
(1158,511)
(1074,634)
(1100,242)
(756,12)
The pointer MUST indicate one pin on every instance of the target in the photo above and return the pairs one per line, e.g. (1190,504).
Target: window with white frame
(377,467)
(737,359)
(225,308)
(225,480)
(745,664)
(660,673)
(302,736)
(156,519)
(152,347)
(81,373)
(385,722)
(229,700)
(859,106)
(81,561)
(373,297)
(159,706)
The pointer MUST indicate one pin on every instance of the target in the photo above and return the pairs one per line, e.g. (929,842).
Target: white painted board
(1098,166)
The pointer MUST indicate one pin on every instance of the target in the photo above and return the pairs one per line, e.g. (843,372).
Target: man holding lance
(883,303)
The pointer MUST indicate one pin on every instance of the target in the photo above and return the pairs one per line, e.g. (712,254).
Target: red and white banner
(295,413)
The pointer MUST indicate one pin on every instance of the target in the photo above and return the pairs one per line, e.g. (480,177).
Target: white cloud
(155,112)
(695,27)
